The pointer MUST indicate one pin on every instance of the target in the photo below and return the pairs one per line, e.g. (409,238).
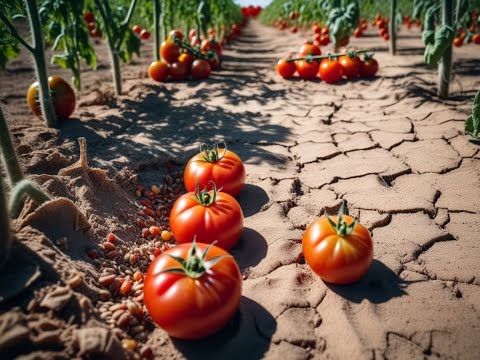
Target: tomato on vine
(351,65)
(179,295)
(223,167)
(169,51)
(158,71)
(307,70)
(368,67)
(200,69)
(144,34)
(179,71)
(330,71)
(338,248)
(207,216)
(186,58)
(286,69)
(309,49)
(137,29)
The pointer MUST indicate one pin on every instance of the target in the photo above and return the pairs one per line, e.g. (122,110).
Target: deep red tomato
(195,41)
(340,252)
(458,42)
(386,37)
(179,71)
(476,38)
(88,17)
(169,51)
(186,58)
(351,67)
(207,216)
(214,62)
(363,26)
(178,34)
(211,45)
(223,167)
(368,68)
(200,69)
(309,49)
(330,71)
(96,33)
(307,70)
(381,24)
(63,97)
(144,34)
(358,32)
(294,29)
(91,26)
(192,33)
(200,297)
(137,29)
(158,71)
(286,69)
(316,29)
(325,31)
(324,40)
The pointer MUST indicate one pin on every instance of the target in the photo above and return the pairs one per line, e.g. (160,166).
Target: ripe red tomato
(137,29)
(325,31)
(458,42)
(179,71)
(96,33)
(169,51)
(91,26)
(358,32)
(214,62)
(339,253)
(207,216)
(368,68)
(386,37)
(309,49)
(186,58)
(351,67)
(195,41)
(145,34)
(211,45)
(63,97)
(294,29)
(192,33)
(381,24)
(178,34)
(184,303)
(324,40)
(316,29)
(223,167)
(307,70)
(286,69)
(200,69)
(363,26)
(330,71)
(476,38)
(158,71)
(88,17)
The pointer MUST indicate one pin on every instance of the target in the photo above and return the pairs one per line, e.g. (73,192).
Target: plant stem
(393,27)
(156,30)
(29,188)
(5,236)
(8,151)
(125,23)
(15,34)
(46,104)
(320,57)
(445,66)
(117,75)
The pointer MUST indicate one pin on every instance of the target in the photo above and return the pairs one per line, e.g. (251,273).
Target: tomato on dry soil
(307,70)
(368,67)
(169,51)
(158,71)
(338,249)
(200,69)
(330,71)
(286,69)
(223,167)
(179,71)
(179,295)
(309,49)
(63,97)
(351,66)
(207,216)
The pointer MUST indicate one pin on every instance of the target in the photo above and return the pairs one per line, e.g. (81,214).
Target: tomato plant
(338,248)
(472,124)
(200,69)
(63,97)
(330,71)
(179,295)
(207,216)
(158,71)
(224,168)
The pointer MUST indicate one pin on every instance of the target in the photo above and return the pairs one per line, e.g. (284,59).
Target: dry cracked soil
(387,146)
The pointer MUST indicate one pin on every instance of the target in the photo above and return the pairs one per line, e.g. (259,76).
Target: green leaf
(443,39)
(472,125)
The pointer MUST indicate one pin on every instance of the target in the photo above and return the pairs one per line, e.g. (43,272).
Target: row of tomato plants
(68,25)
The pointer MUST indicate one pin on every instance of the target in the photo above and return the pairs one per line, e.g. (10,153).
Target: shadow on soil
(246,336)
(250,249)
(379,285)
(252,198)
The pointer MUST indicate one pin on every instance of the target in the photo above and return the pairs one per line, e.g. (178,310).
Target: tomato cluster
(362,26)
(471,33)
(382,24)
(143,33)
(252,11)
(89,19)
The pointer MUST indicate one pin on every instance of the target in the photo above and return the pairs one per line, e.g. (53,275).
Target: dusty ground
(387,146)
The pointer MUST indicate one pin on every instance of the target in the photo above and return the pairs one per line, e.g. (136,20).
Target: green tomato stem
(10,159)
(5,235)
(320,57)
(445,66)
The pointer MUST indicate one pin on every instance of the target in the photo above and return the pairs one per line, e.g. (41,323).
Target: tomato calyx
(210,153)
(342,228)
(194,266)
(204,197)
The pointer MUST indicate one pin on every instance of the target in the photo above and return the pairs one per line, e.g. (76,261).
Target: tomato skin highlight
(335,259)
(188,308)
(228,173)
(330,71)
(186,58)
(145,34)
(306,70)
(200,69)
(63,97)
(351,67)
(221,221)
(286,69)
(158,71)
